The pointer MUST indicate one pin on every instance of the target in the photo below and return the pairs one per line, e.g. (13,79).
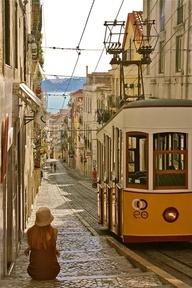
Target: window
(100,160)
(162,15)
(180,11)
(107,158)
(113,149)
(137,160)
(161,57)
(7,31)
(16,35)
(178,53)
(129,51)
(117,87)
(170,160)
(120,155)
(118,145)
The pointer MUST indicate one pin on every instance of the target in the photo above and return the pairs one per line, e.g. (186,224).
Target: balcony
(103,115)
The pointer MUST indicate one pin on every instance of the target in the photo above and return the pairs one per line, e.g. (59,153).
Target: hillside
(62,85)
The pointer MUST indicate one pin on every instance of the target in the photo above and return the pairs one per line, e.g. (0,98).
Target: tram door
(105,205)
(108,206)
(112,209)
(116,209)
(100,206)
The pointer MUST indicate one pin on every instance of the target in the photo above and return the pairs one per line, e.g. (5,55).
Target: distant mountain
(62,85)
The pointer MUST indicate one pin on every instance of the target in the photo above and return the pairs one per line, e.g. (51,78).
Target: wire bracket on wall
(28,119)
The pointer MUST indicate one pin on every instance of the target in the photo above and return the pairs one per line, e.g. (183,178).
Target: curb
(146,265)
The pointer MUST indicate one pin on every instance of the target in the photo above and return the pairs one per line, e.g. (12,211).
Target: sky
(64,26)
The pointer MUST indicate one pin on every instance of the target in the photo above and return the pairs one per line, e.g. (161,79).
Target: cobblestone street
(86,260)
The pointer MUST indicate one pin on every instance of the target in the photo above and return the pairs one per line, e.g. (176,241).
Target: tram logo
(140,205)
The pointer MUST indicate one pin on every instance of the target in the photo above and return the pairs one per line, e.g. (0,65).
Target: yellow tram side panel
(150,221)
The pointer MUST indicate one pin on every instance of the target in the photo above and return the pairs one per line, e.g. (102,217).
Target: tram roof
(147,103)
(159,103)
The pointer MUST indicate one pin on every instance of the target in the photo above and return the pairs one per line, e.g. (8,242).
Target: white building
(170,73)
(95,110)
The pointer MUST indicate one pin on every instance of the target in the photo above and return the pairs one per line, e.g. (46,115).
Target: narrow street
(86,259)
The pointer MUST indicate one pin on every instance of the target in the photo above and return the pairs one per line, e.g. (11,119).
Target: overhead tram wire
(78,52)
(86,24)
(77,60)
(120,7)
(63,76)
(73,49)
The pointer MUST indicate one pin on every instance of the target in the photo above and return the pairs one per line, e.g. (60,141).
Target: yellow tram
(145,171)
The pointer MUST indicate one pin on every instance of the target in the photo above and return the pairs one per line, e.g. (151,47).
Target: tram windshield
(170,153)
(137,155)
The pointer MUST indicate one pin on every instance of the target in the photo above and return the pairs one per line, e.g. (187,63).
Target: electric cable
(78,52)
(86,22)
(69,48)
(63,76)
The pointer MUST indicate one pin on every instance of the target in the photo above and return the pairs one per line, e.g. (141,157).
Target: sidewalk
(86,260)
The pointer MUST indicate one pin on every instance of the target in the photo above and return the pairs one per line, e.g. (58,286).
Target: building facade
(76,131)
(19,77)
(96,112)
(170,73)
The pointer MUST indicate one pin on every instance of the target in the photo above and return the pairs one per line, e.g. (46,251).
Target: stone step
(75,254)
(103,253)
(83,243)
(134,280)
(78,231)
(97,267)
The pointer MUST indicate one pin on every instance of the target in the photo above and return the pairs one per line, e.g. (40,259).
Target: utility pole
(144,45)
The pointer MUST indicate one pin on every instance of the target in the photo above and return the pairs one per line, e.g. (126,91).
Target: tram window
(137,155)
(170,158)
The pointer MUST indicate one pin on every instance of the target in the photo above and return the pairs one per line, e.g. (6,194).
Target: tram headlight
(170,214)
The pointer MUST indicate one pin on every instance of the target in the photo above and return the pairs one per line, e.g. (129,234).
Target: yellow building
(130,58)
(126,66)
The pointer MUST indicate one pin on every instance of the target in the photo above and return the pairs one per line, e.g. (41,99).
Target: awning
(30,94)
